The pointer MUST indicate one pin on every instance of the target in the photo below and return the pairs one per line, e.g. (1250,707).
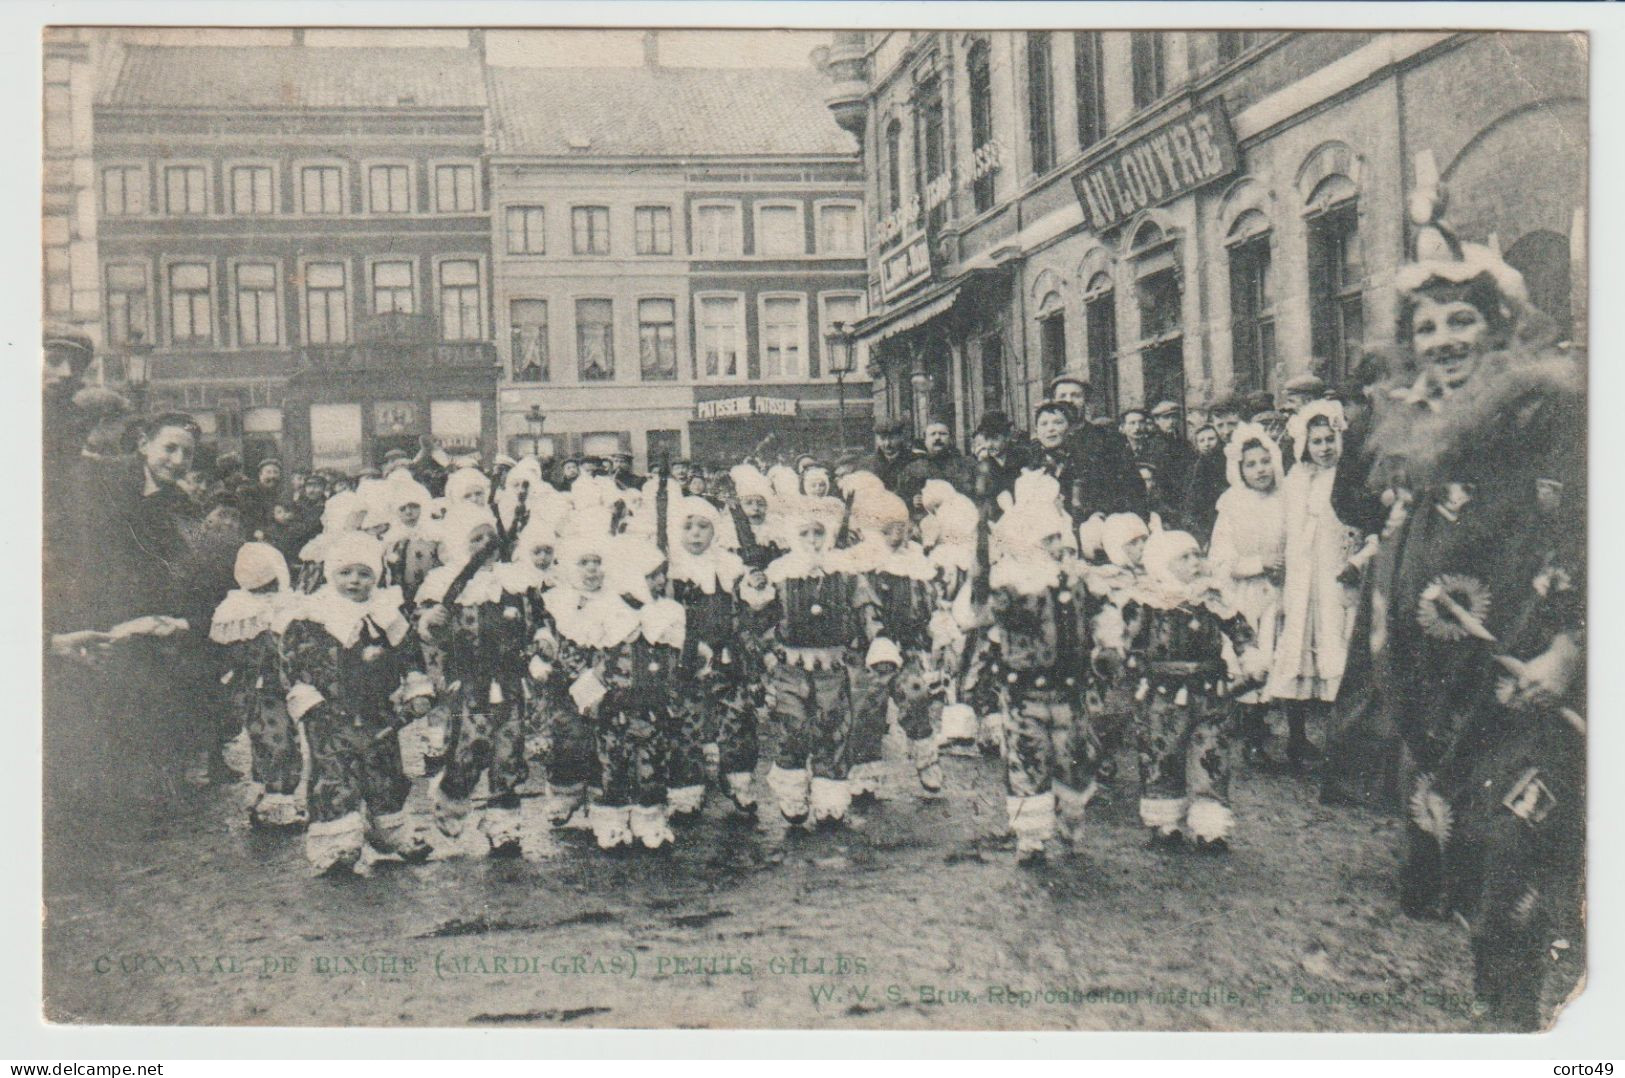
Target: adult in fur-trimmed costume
(1477,609)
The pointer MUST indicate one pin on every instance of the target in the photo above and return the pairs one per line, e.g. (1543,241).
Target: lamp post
(840,352)
(138,372)
(535,419)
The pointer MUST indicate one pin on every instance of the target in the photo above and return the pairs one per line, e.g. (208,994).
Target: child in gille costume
(619,662)
(903,582)
(245,622)
(722,667)
(1172,631)
(469,609)
(1040,606)
(348,660)
(824,621)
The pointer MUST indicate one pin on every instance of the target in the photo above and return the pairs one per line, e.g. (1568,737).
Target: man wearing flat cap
(1104,464)
(894,451)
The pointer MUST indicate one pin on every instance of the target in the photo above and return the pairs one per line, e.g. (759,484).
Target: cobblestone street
(916,919)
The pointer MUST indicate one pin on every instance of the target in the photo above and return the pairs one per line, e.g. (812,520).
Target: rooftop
(659,111)
(266,77)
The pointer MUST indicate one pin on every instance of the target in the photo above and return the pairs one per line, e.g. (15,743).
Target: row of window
(251,189)
(715,231)
(189,293)
(1336,313)
(1148,76)
(720,334)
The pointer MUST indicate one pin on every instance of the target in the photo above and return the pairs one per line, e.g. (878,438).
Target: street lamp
(138,371)
(841,353)
(534,419)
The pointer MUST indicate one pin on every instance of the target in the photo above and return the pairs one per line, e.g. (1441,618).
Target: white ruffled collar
(343,619)
(873,556)
(803,564)
(1028,576)
(716,568)
(243,615)
(601,619)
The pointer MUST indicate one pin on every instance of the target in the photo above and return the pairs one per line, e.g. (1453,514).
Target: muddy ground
(916,917)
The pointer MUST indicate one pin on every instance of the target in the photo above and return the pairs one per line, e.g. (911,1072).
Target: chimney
(476,43)
(299,35)
(651,48)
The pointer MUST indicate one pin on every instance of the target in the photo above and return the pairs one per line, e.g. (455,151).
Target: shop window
(321,189)
(460,300)
(257,318)
(185,190)
(1089,85)
(392,288)
(1040,101)
(1336,303)
(1100,341)
(457,424)
(589,230)
(190,306)
(979,71)
(652,225)
(1148,63)
(664,446)
(124,190)
(326,316)
(595,340)
(1543,259)
(657,339)
(1252,325)
(127,304)
(528,345)
(335,437)
(721,332)
(252,191)
(603,444)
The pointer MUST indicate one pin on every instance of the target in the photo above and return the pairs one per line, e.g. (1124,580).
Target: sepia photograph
(1000,528)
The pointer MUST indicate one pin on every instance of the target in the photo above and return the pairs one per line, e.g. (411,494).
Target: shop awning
(925,307)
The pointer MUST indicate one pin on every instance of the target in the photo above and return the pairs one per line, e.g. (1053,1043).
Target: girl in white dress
(1317,599)
(1247,556)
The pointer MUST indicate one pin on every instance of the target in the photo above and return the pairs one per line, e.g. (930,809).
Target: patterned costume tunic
(724,684)
(343,690)
(1041,676)
(1176,651)
(243,624)
(483,644)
